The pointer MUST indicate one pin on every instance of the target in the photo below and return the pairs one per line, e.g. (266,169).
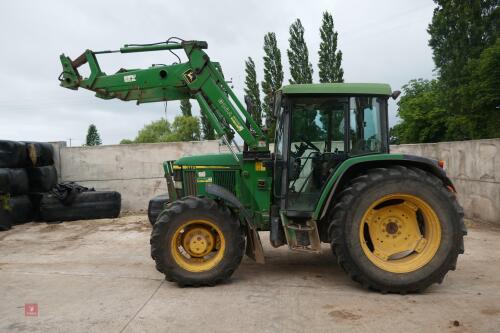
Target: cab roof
(339,88)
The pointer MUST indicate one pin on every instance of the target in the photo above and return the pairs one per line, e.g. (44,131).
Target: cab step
(302,237)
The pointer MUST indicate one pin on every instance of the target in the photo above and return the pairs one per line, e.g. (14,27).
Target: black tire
(354,200)
(20,211)
(39,153)
(13,181)
(42,179)
(155,206)
(86,206)
(12,154)
(177,214)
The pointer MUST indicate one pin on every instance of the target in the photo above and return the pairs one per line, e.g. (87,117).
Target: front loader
(392,220)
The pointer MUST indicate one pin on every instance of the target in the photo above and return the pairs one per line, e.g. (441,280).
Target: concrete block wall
(474,168)
(135,170)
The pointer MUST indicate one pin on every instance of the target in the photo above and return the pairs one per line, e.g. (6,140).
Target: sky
(381,41)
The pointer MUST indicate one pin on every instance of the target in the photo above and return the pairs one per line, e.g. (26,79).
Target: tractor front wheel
(196,242)
(397,229)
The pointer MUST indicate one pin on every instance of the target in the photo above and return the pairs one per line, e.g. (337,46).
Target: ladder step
(300,227)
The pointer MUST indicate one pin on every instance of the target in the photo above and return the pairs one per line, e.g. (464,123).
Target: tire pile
(29,189)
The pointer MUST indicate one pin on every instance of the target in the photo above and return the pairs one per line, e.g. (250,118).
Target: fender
(355,164)
(254,245)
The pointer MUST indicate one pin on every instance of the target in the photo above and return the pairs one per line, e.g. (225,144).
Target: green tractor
(392,220)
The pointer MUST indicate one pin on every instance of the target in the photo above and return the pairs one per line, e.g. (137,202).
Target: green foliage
(252,90)
(156,131)
(300,68)
(273,79)
(330,60)
(481,92)
(93,138)
(460,31)
(208,130)
(462,103)
(422,114)
(184,128)
(186,108)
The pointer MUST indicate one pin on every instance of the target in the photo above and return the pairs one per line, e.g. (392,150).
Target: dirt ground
(98,276)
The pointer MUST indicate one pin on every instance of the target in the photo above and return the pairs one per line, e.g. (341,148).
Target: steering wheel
(309,143)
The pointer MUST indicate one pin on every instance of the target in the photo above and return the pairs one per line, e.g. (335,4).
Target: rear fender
(355,165)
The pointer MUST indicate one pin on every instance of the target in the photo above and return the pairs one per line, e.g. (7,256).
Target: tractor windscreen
(325,131)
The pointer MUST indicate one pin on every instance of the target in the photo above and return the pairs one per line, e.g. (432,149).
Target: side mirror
(395,94)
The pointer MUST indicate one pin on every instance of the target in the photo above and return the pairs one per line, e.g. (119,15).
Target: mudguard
(254,248)
(355,164)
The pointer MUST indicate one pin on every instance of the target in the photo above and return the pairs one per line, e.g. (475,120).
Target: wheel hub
(198,242)
(392,227)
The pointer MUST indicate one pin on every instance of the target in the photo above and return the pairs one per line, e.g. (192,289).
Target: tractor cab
(319,126)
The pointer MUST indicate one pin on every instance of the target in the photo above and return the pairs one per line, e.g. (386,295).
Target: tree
(483,93)
(252,90)
(298,56)
(93,138)
(273,79)
(422,113)
(460,33)
(330,60)
(208,130)
(154,132)
(186,108)
(184,128)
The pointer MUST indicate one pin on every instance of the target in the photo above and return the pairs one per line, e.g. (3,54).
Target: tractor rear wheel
(196,242)
(397,229)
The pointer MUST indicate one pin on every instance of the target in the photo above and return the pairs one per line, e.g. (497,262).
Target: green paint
(202,79)
(209,159)
(339,88)
(343,168)
(198,78)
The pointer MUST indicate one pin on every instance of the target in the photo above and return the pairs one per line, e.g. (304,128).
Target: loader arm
(198,78)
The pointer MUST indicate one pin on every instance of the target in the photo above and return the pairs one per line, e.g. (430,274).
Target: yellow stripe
(202,167)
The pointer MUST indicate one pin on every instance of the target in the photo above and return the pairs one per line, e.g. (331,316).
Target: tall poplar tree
(273,79)
(186,108)
(252,90)
(330,60)
(208,130)
(298,55)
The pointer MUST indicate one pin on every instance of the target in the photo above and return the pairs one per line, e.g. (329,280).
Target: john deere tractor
(392,220)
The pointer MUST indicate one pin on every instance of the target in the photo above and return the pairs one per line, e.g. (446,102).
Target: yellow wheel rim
(400,233)
(198,245)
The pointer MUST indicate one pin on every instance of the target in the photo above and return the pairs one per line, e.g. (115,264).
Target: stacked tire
(15,204)
(29,189)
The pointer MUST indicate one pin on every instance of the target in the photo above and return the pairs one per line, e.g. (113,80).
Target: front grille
(190,183)
(225,179)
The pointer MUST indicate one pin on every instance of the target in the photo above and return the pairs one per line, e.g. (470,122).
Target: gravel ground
(97,276)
